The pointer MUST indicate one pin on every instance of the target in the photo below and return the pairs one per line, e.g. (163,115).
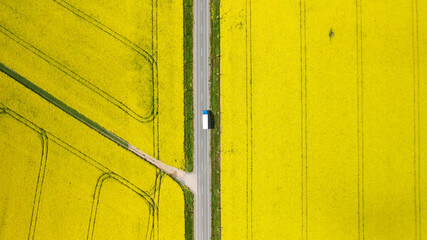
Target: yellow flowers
(321,136)
(121,66)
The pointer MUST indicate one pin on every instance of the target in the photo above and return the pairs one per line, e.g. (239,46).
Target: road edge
(215,102)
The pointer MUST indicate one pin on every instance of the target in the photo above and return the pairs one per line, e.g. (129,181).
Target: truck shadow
(211,119)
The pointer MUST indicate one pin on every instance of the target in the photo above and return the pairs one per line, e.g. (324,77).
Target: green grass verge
(188,114)
(188,85)
(189,213)
(216,131)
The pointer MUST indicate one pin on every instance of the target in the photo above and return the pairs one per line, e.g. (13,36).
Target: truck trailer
(206,119)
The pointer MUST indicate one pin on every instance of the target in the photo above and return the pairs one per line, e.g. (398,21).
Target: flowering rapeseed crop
(121,66)
(322,119)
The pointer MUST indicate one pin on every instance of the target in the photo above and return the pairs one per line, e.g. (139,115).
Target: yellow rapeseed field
(323,119)
(120,65)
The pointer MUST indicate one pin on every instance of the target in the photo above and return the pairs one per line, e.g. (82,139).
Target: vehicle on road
(206,120)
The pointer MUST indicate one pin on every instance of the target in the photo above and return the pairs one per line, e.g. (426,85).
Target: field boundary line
(417,154)
(156,102)
(304,183)
(360,137)
(39,184)
(249,155)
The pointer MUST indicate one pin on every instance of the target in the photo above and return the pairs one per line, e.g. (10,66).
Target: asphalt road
(202,167)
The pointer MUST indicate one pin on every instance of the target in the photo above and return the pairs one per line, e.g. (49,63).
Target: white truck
(206,122)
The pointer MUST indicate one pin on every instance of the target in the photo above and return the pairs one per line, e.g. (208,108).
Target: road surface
(202,203)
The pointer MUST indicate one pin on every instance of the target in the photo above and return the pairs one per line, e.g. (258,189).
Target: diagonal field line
(179,175)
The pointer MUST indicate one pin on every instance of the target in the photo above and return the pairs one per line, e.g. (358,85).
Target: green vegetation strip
(216,110)
(188,214)
(188,85)
(188,114)
(64,107)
